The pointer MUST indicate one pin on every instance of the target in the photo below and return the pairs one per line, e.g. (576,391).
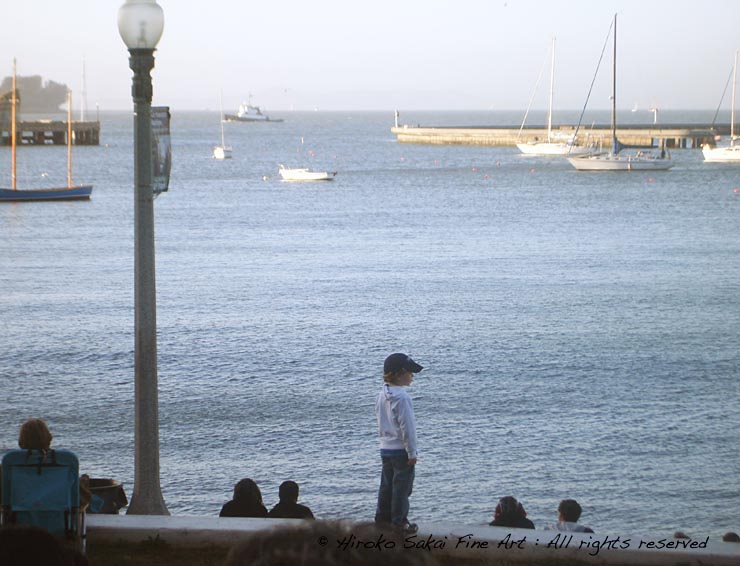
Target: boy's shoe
(410,528)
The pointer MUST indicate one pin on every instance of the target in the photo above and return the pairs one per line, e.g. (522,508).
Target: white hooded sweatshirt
(396,423)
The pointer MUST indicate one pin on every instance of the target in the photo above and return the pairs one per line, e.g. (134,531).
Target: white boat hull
(552,148)
(721,154)
(611,162)
(222,152)
(303,174)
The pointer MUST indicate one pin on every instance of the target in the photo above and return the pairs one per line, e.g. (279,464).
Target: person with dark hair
(247,501)
(731,537)
(34,435)
(569,511)
(398,453)
(288,507)
(510,513)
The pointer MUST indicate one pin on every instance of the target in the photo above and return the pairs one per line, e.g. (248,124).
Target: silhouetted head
(508,509)
(288,491)
(34,435)
(569,510)
(247,490)
(731,537)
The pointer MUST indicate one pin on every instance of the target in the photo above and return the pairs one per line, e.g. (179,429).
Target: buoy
(474,169)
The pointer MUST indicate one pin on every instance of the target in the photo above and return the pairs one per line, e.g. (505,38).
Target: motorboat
(248,112)
(304,174)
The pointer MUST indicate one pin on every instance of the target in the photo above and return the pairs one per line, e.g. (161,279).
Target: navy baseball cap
(398,361)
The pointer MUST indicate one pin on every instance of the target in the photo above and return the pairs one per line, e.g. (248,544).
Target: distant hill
(36,97)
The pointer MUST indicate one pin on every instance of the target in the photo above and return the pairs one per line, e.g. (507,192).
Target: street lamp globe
(140,23)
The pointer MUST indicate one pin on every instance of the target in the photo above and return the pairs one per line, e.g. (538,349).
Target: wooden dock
(671,135)
(54,132)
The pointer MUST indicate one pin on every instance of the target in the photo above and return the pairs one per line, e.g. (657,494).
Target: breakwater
(671,135)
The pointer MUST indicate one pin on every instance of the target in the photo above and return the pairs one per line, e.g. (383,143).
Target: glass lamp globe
(140,23)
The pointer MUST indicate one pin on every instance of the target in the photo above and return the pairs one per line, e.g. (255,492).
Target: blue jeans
(396,482)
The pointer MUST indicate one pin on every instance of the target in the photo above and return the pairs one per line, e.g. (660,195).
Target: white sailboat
(222,151)
(556,144)
(614,160)
(729,153)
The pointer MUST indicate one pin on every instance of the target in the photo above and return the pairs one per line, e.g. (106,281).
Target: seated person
(569,511)
(247,501)
(34,434)
(510,513)
(288,507)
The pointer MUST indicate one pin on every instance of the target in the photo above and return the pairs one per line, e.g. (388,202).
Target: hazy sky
(384,54)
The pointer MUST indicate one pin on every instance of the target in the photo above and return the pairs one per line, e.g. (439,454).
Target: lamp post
(140,23)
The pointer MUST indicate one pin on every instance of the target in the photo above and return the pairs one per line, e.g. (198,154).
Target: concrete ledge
(478,543)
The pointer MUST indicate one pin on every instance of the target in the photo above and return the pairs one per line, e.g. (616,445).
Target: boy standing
(397,431)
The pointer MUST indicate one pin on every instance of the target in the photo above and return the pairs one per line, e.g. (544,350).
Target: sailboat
(614,160)
(14,194)
(555,144)
(222,151)
(730,153)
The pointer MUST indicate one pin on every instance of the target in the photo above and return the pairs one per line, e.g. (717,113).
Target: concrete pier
(54,132)
(475,544)
(672,135)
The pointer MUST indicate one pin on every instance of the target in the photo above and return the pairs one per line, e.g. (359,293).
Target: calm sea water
(580,332)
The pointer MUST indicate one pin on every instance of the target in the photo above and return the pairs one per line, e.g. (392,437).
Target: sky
(385,54)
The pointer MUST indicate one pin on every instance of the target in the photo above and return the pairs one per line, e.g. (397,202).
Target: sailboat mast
(614,90)
(732,112)
(69,138)
(83,97)
(552,87)
(221,110)
(13,130)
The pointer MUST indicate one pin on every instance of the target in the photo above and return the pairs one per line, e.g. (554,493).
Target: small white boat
(304,174)
(248,112)
(222,151)
(730,153)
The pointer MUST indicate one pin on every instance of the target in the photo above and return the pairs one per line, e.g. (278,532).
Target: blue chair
(42,488)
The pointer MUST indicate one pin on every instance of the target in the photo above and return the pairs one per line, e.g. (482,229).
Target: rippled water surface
(579,330)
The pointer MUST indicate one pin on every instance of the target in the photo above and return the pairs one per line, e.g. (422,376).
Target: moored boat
(614,160)
(304,174)
(14,194)
(729,153)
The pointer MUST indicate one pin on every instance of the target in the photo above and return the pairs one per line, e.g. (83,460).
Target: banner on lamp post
(161,149)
